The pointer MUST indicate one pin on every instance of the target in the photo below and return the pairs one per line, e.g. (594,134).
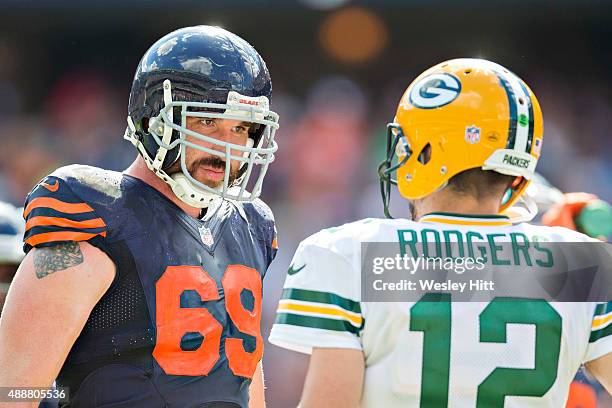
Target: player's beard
(212,161)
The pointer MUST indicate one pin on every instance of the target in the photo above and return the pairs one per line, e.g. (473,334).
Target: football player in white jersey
(11,252)
(463,146)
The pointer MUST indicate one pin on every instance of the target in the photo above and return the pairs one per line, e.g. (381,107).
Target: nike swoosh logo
(293,271)
(51,187)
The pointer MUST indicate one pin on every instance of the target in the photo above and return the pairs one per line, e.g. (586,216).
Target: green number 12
(432,316)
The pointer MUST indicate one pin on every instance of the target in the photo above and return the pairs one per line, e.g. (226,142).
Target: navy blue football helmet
(202,71)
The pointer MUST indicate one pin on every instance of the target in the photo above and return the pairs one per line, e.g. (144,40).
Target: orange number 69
(173,321)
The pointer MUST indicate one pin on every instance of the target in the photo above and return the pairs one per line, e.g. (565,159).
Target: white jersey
(426,354)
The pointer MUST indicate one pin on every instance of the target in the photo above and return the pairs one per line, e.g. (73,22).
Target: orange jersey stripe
(60,236)
(47,202)
(64,222)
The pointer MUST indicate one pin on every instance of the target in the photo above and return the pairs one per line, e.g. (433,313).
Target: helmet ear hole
(144,125)
(255,132)
(425,155)
(176,115)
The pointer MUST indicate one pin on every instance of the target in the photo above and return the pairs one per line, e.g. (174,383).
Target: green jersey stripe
(603,309)
(600,334)
(316,322)
(321,297)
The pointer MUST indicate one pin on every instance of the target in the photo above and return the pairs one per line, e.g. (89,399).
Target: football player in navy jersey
(143,288)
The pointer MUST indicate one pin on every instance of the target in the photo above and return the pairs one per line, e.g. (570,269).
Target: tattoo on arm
(57,258)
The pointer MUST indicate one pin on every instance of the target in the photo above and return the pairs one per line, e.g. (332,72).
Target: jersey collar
(463,219)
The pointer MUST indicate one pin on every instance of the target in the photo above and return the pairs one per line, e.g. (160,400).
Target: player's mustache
(214,162)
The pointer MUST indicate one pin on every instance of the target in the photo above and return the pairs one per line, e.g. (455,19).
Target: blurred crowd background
(338,69)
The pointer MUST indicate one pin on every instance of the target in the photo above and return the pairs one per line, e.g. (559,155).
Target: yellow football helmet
(458,115)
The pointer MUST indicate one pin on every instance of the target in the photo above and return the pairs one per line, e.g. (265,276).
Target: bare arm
(601,368)
(257,397)
(334,379)
(48,303)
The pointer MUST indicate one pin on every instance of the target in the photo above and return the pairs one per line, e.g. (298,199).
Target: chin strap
(180,185)
(188,193)
(167,130)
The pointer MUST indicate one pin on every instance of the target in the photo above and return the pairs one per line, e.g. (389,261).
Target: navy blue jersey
(180,324)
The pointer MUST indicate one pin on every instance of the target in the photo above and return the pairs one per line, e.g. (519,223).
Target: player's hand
(596,222)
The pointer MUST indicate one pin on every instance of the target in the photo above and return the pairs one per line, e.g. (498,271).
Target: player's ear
(425,154)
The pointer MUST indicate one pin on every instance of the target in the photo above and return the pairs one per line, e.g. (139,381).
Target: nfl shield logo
(472,134)
(206,236)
